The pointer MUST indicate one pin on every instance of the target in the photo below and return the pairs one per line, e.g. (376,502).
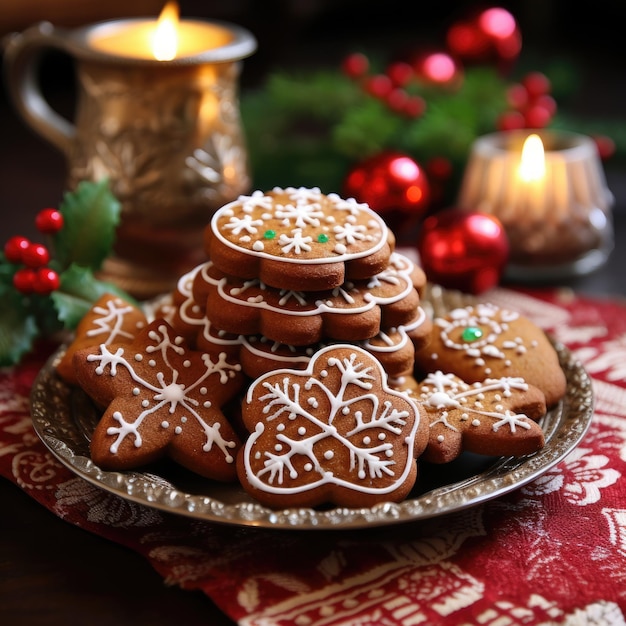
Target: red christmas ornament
(461,250)
(393,184)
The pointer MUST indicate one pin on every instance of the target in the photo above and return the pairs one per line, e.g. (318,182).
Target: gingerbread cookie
(298,239)
(486,341)
(496,417)
(333,433)
(355,311)
(258,355)
(110,319)
(161,399)
(188,316)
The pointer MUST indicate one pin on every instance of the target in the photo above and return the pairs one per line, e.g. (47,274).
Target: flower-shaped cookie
(109,320)
(161,399)
(298,239)
(486,341)
(332,433)
(355,311)
(495,417)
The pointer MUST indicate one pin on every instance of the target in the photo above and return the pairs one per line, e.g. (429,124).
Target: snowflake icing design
(329,425)
(296,242)
(492,321)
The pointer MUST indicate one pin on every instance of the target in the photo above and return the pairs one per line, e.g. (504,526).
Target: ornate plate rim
(564,428)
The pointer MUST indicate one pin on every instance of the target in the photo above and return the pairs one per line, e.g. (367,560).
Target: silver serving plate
(64,418)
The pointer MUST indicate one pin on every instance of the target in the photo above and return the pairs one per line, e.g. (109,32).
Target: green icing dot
(323,238)
(269,234)
(471,333)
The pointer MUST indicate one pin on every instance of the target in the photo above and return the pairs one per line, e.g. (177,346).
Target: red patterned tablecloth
(551,552)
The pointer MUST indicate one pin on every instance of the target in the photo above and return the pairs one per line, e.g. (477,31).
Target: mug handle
(22,59)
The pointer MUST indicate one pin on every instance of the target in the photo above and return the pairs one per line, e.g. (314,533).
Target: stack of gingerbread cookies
(294,270)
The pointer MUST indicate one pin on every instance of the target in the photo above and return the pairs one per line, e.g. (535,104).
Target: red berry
(14,248)
(355,65)
(24,279)
(511,120)
(537,117)
(49,221)
(46,280)
(400,73)
(379,86)
(415,106)
(517,97)
(547,102)
(537,84)
(397,99)
(605,146)
(35,255)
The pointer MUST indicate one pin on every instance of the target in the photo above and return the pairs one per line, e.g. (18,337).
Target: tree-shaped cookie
(332,433)
(161,399)
(495,417)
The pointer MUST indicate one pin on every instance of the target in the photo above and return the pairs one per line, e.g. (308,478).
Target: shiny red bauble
(463,250)
(392,183)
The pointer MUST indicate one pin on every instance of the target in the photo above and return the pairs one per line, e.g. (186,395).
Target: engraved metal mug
(166,134)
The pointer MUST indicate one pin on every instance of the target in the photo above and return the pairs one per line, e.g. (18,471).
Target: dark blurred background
(308,34)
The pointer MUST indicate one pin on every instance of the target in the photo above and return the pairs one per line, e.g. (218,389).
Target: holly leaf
(91,214)
(18,327)
(78,291)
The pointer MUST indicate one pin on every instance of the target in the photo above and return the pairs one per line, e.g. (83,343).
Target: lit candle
(548,190)
(532,174)
(163,39)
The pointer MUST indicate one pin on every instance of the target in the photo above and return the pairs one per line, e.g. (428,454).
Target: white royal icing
(342,299)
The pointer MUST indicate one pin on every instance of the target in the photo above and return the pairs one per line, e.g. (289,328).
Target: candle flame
(533,164)
(165,39)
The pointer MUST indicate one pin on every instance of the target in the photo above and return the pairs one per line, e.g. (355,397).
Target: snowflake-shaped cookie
(298,238)
(161,399)
(486,341)
(495,417)
(332,433)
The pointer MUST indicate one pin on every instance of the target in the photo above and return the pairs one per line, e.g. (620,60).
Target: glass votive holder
(558,217)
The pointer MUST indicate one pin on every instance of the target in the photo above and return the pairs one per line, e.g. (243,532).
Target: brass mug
(167,135)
